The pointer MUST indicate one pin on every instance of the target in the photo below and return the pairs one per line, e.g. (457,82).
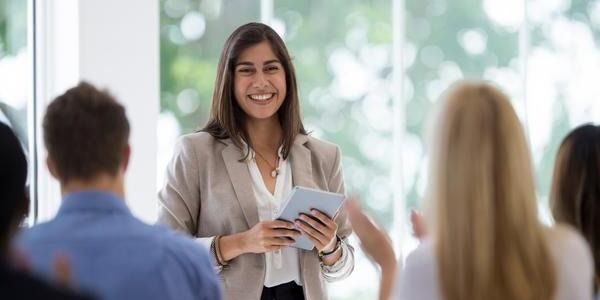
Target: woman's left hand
(320,229)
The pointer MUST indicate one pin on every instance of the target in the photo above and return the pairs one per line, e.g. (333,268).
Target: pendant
(274,173)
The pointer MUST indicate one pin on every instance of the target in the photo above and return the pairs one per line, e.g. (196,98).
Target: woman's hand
(263,237)
(374,240)
(320,229)
(376,243)
(268,236)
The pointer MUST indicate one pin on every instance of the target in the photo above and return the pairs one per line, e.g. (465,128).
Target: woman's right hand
(268,236)
(263,237)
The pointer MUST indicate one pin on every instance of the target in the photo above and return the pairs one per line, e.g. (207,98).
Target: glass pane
(562,75)
(191,38)
(344,75)
(16,76)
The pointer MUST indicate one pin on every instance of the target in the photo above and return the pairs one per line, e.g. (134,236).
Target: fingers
(285,233)
(280,224)
(312,233)
(319,244)
(280,241)
(323,218)
(318,226)
(276,243)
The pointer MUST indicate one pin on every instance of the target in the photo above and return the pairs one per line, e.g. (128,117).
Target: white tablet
(302,200)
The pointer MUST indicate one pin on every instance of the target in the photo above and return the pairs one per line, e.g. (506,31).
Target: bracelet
(216,251)
(338,244)
(213,251)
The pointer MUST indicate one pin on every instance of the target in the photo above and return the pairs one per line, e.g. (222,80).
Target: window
(16,77)
(369,73)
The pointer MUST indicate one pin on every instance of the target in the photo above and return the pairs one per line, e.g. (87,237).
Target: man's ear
(51,167)
(126,156)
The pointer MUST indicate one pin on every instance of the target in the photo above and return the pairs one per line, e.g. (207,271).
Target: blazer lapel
(241,182)
(301,163)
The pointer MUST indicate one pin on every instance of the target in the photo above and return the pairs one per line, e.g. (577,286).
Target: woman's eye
(272,68)
(244,70)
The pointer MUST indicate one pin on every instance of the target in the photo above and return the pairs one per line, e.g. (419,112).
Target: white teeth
(261,97)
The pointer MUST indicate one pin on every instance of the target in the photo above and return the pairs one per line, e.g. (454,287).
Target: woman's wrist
(335,245)
(331,258)
(231,246)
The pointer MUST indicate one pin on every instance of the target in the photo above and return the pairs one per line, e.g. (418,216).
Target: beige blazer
(208,192)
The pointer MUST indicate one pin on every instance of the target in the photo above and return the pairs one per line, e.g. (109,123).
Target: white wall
(114,45)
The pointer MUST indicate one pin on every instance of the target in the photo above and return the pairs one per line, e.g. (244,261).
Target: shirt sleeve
(417,279)
(179,199)
(345,265)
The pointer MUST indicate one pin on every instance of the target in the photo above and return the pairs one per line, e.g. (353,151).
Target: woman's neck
(265,133)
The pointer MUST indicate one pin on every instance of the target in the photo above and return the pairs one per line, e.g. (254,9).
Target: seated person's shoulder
(422,258)
(184,248)
(418,278)
(566,240)
(569,248)
(36,234)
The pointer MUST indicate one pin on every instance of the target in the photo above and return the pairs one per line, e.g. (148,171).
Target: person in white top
(575,195)
(484,239)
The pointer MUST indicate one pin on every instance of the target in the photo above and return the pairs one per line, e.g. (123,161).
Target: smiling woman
(226,182)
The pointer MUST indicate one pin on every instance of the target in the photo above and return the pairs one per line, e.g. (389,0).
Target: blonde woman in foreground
(485,240)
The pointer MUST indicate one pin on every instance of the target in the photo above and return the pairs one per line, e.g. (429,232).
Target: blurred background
(369,73)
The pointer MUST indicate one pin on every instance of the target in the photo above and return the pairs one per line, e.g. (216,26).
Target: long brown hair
(226,117)
(489,243)
(575,196)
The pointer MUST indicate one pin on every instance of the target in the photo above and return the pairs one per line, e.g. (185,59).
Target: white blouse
(282,265)
(570,253)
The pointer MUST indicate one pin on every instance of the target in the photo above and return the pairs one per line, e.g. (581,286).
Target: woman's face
(259,82)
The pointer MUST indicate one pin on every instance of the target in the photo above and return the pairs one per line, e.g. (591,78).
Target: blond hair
(489,242)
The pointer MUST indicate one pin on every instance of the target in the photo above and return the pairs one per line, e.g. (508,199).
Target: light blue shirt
(116,256)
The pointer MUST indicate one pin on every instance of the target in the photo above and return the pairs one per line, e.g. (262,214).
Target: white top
(283,265)
(570,253)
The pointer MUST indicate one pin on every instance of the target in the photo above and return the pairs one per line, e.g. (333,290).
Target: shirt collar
(93,200)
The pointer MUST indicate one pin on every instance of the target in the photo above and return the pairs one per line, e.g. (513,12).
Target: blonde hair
(489,242)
